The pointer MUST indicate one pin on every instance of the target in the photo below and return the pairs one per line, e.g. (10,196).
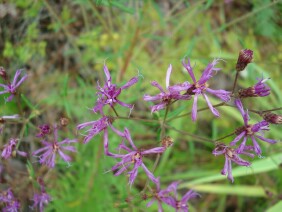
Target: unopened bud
(245,57)
(167,141)
(3,73)
(272,118)
(44,130)
(260,89)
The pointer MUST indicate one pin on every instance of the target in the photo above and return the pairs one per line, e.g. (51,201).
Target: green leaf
(251,191)
(259,166)
(276,208)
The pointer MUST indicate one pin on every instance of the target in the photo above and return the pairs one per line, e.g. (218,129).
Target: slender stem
(137,119)
(224,137)
(158,155)
(279,108)
(257,111)
(202,109)
(18,99)
(115,111)
(235,82)
(197,138)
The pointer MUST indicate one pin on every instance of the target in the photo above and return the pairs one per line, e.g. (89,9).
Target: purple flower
(45,129)
(164,97)
(10,149)
(50,150)
(200,87)
(231,155)
(12,87)
(10,202)
(98,126)
(260,89)
(249,130)
(169,196)
(41,199)
(108,94)
(133,157)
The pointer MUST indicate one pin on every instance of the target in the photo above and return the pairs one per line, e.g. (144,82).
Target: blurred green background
(63,45)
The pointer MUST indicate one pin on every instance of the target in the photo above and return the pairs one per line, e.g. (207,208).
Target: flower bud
(3,73)
(260,89)
(245,57)
(272,118)
(44,130)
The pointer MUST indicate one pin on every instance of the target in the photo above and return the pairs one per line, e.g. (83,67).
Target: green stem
(197,138)
(115,111)
(224,137)
(235,82)
(202,109)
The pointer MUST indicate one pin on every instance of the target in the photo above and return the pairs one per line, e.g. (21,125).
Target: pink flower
(51,149)
(133,157)
(10,148)
(201,87)
(108,95)
(248,130)
(12,87)
(164,97)
(169,196)
(98,126)
(231,155)
(42,198)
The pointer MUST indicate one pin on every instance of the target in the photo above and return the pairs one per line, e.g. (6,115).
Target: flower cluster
(131,158)
(253,131)
(195,89)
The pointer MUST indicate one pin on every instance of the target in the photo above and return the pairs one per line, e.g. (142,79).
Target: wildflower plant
(132,157)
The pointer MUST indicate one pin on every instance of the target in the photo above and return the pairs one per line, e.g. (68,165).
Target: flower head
(41,199)
(164,97)
(10,149)
(133,157)
(249,130)
(245,57)
(45,129)
(260,89)
(11,87)
(51,149)
(10,202)
(108,94)
(98,126)
(201,87)
(231,155)
(169,196)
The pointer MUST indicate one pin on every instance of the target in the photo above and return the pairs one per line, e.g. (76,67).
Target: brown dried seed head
(64,121)
(167,141)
